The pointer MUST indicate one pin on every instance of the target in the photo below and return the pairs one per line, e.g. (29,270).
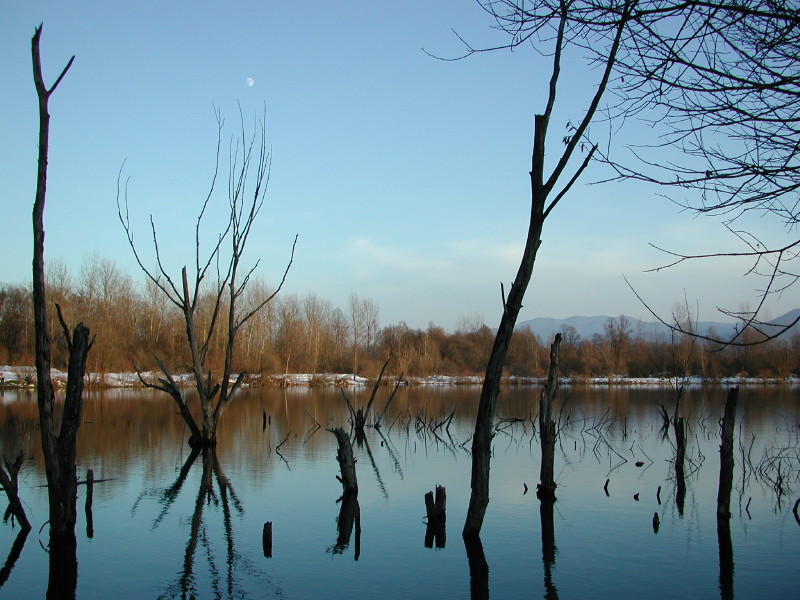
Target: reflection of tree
(361,441)
(548,547)
(725,558)
(13,555)
(478,568)
(63,577)
(215,492)
(349,516)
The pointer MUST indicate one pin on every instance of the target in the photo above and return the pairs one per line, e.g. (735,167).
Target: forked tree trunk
(484,422)
(58,450)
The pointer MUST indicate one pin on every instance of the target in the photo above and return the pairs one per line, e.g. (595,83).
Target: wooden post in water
(435,509)
(266,539)
(88,506)
(726,456)
(437,517)
(547,427)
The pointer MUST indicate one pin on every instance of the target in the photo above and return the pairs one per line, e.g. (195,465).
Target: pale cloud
(461,260)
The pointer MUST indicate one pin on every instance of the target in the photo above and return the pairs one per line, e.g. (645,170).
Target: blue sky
(405,177)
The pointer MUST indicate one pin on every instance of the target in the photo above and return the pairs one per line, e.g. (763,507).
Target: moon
(249,81)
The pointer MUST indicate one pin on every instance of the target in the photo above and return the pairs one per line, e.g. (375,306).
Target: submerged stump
(437,518)
(546,489)
(347,463)
(726,456)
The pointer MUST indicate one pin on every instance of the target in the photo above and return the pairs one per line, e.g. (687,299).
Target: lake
(165,526)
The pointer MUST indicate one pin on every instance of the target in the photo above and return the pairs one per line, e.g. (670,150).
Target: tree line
(309,334)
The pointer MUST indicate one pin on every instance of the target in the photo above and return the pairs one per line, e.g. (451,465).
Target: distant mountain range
(588,326)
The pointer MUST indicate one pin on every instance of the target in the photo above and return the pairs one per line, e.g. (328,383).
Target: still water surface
(163,527)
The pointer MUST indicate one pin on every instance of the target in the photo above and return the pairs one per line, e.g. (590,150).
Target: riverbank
(24,376)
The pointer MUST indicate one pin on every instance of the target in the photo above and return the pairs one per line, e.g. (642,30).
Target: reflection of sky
(605,545)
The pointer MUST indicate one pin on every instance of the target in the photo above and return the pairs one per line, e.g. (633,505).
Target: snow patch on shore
(16,376)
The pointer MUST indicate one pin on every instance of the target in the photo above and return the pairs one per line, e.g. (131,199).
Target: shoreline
(25,378)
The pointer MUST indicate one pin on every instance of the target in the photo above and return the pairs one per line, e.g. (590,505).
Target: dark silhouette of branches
(561,26)
(248,176)
(717,83)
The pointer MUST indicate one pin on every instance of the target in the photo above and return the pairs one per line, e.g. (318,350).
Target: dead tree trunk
(88,504)
(541,206)
(347,463)
(58,450)
(726,456)
(484,422)
(547,427)
(248,176)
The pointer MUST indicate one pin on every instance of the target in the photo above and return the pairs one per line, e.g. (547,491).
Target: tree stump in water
(437,517)
(266,539)
(547,427)
(435,509)
(726,457)
(88,504)
(347,464)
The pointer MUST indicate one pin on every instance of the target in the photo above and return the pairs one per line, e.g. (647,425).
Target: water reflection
(725,558)
(478,568)
(13,555)
(349,518)
(62,582)
(201,536)
(549,550)
(215,497)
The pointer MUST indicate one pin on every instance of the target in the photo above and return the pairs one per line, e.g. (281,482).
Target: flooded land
(165,522)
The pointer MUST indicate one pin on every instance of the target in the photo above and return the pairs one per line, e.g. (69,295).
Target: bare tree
(358,319)
(317,317)
(58,441)
(717,82)
(722,82)
(248,176)
(290,332)
(616,343)
(398,341)
(371,312)
(556,25)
